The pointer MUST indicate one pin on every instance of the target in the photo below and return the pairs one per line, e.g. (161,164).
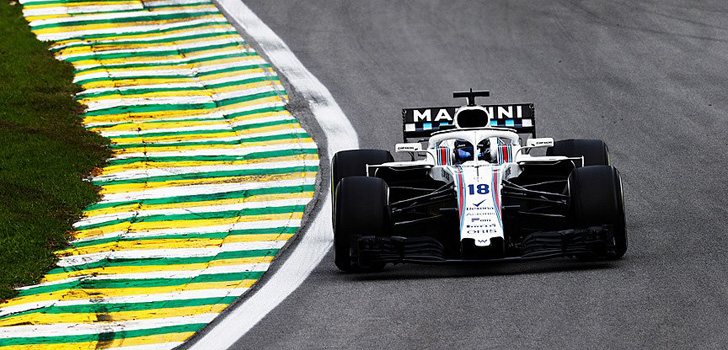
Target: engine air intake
(472,117)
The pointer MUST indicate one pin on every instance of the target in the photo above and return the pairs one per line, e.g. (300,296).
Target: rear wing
(422,122)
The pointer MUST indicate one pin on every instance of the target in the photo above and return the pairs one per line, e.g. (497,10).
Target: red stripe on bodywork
(461,192)
(496,196)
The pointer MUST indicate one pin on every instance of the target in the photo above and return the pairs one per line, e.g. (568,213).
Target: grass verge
(44,154)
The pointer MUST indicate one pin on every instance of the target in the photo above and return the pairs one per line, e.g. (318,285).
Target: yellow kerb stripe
(113,270)
(42,318)
(126,82)
(174,243)
(125,188)
(180,9)
(32,6)
(207,136)
(115,118)
(97,26)
(149,35)
(80,294)
(143,207)
(292,139)
(187,112)
(146,125)
(131,45)
(213,62)
(156,59)
(166,225)
(109,170)
(200,91)
(152,339)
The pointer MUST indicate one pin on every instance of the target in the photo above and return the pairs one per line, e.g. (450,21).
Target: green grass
(44,154)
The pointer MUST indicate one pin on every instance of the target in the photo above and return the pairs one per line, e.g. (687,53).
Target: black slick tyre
(595,199)
(362,208)
(595,152)
(354,163)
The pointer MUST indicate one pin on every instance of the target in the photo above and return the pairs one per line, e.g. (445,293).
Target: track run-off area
(209,179)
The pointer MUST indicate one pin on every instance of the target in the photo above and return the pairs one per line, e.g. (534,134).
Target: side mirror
(408,147)
(541,142)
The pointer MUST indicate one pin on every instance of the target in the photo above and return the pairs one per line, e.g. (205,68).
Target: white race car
(475,193)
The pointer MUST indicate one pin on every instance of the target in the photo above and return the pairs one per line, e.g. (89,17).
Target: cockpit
(464,151)
(492,145)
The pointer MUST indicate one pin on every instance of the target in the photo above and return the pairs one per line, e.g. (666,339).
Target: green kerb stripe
(142,18)
(110,263)
(188,106)
(213,235)
(249,156)
(102,336)
(175,76)
(180,51)
(57,2)
(235,115)
(211,175)
(206,197)
(145,8)
(224,117)
(164,6)
(208,23)
(62,2)
(201,133)
(128,92)
(141,283)
(124,307)
(200,216)
(292,136)
(146,41)
(101,66)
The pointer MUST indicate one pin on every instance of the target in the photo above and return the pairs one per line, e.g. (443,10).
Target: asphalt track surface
(650,78)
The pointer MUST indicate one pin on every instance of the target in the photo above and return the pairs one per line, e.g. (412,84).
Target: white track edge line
(317,238)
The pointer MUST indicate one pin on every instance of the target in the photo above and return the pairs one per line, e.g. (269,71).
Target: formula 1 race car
(475,194)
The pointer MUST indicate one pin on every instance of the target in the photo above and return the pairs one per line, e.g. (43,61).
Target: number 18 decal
(480,189)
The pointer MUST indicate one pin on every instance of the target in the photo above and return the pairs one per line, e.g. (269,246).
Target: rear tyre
(362,208)
(595,152)
(596,199)
(354,163)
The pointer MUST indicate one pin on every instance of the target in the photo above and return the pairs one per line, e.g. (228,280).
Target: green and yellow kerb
(209,178)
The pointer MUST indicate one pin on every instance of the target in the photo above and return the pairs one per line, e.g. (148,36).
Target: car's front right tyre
(595,199)
(361,209)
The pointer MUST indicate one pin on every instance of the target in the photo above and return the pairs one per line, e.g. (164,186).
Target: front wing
(594,241)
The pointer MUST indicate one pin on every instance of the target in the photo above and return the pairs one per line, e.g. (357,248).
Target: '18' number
(481,189)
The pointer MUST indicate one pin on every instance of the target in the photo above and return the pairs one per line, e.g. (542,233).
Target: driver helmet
(464,151)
